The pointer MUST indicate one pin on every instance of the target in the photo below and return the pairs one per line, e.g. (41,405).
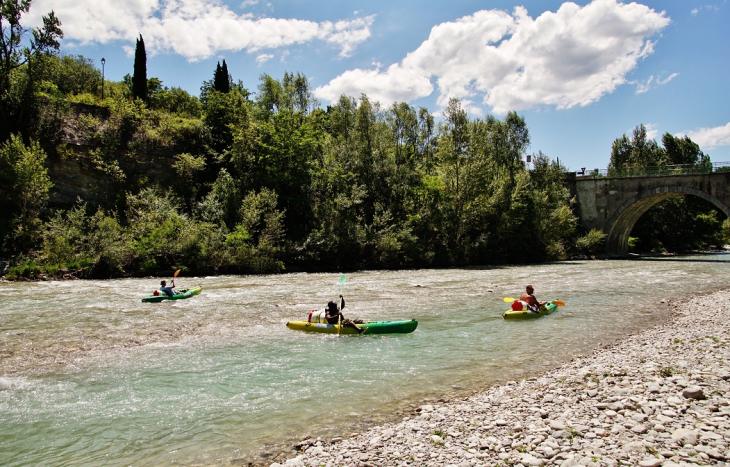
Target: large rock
(694,392)
(684,436)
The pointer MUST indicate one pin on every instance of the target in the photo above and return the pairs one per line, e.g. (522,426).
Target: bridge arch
(630,211)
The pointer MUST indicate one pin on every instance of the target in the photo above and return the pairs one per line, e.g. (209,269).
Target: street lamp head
(103,61)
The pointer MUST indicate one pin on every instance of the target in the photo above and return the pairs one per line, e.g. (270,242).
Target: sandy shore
(657,398)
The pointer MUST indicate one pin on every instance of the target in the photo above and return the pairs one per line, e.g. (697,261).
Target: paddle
(175,275)
(554,302)
(339,317)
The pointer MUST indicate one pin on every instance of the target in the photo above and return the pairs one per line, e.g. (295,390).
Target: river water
(90,375)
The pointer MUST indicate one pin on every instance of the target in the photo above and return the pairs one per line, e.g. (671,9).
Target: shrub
(591,244)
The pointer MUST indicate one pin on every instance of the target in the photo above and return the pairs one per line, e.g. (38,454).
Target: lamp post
(102,77)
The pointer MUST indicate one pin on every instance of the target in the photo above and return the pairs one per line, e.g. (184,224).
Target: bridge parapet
(675,169)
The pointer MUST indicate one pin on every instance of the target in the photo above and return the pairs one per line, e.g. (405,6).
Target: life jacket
(518,305)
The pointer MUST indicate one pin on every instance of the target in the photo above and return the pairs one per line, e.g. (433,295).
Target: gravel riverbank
(657,398)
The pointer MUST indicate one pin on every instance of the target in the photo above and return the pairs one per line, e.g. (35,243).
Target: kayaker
(532,303)
(169,290)
(334,315)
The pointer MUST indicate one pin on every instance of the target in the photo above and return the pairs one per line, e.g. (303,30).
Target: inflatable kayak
(181,294)
(527,314)
(371,327)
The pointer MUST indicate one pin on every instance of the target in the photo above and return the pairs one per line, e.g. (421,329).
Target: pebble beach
(657,398)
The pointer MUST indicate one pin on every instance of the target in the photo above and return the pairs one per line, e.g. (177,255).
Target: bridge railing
(676,169)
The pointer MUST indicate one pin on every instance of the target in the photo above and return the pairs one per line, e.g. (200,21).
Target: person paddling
(168,290)
(532,303)
(334,315)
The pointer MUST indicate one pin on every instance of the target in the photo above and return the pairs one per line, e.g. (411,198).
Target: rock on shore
(658,398)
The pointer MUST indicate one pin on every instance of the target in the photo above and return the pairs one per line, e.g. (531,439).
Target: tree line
(239,181)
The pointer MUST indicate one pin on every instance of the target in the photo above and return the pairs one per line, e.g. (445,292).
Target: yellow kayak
(527,314)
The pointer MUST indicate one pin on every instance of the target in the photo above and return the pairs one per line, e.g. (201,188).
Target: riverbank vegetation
(102,179)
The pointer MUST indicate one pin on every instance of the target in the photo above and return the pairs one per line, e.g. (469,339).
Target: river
(90,375)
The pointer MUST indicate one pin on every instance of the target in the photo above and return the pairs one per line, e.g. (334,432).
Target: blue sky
(581,73)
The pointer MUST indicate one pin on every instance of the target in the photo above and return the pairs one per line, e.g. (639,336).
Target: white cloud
(669,78)
(263,58)
(645,86)
(711,8)
(652,131)
(642,87)
(711,138)
(570,57)
(397,84)
(195,29)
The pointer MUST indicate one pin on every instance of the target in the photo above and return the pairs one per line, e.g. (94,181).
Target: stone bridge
(614,205)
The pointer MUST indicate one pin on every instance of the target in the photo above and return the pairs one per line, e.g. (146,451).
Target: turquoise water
(91,376)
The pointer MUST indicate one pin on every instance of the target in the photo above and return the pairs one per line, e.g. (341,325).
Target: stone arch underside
(628,214)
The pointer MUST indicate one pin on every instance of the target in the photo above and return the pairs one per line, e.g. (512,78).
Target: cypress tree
(225,80)
(217,85)
(139,80)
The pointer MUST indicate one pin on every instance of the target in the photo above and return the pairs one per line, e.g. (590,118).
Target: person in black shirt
(334,315)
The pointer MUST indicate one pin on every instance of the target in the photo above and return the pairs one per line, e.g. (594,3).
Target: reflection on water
(91,375)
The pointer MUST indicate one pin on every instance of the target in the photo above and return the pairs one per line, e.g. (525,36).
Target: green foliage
(71,74)
(175,101)
(26,268)
(226,183)
(592,244)
(725,232)
(24,187)
(73,240)
(222,112)
(639,151)
(21,68)
(679,224)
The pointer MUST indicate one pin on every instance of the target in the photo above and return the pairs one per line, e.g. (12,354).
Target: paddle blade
(558,303)
(509,299)
(176,273)
(342,281)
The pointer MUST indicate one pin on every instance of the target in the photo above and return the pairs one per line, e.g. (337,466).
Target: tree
(221,80)
(217,77)
(24,186)
(637,152)
(139,80)
(682,150)
(225,78)
(14,100)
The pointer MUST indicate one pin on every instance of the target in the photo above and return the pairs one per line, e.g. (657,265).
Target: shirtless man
(530,299)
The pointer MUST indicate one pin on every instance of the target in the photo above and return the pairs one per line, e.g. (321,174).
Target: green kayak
(181,294)
(527,314)
(371,327)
